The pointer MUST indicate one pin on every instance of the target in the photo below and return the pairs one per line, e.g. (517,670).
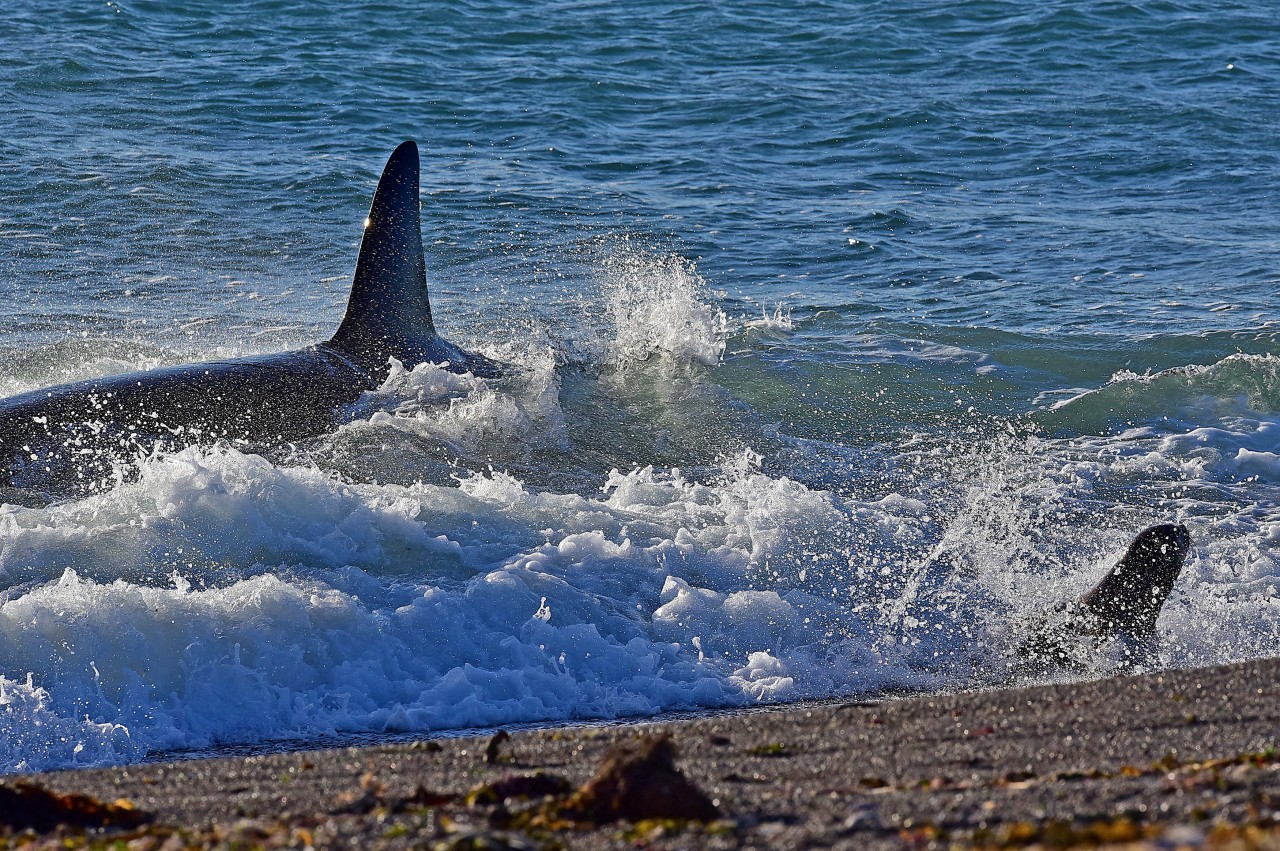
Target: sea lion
(1126,602)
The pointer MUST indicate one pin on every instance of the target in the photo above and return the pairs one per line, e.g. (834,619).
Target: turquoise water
(854,333)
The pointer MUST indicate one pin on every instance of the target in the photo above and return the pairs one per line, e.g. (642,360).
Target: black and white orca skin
(51,434)
(1126,602)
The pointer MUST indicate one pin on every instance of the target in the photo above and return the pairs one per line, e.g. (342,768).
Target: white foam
(1039,521)
(223,599)
(465,412)
(220,598)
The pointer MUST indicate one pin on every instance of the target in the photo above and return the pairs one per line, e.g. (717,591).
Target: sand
(1179,758)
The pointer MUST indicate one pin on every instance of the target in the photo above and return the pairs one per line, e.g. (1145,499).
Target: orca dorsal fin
(388,312)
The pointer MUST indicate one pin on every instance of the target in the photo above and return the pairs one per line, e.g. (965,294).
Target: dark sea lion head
(1129,598)
(1160,545)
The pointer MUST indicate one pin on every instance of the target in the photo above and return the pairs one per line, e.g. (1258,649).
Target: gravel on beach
(1179,758)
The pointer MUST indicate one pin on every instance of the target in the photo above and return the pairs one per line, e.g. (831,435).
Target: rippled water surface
(854,334)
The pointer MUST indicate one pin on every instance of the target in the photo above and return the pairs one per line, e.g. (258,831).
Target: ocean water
(853,335)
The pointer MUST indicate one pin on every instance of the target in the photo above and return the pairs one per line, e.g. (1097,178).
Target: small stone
(493,750)
(638,781)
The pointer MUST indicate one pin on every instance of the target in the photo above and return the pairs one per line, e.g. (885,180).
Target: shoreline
(1178,757)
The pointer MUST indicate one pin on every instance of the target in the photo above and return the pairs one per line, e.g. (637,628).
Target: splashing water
(817,394)
(656,307)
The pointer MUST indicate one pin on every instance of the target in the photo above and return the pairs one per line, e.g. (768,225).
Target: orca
(62,435)
(1124,604)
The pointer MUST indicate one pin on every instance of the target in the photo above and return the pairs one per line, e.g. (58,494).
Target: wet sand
(1179,758)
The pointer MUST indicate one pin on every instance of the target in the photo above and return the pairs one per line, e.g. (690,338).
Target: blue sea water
(854,334)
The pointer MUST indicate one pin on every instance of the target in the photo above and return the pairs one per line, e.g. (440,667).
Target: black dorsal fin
(388,312)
